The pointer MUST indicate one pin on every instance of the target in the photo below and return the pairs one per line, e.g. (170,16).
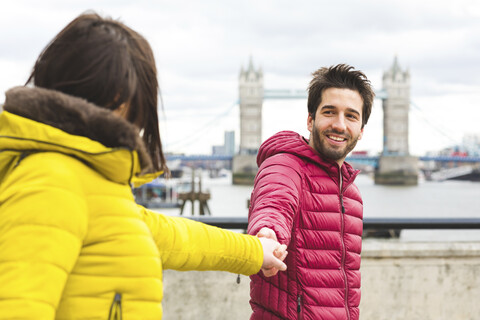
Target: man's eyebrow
(353,111)
(327,106)
(331,107)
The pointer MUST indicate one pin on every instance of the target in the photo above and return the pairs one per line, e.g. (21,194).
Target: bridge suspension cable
(436,127)
(197,133)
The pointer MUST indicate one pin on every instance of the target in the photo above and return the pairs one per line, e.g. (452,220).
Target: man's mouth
(336,138)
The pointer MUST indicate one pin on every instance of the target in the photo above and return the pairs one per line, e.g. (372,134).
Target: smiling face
(337,125)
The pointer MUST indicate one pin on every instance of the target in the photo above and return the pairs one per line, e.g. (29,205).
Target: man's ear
(310,122)
(360,135)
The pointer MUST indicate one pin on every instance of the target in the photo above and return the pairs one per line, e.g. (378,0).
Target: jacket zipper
(294,237)
(342,235)
(116,308)
(299,307)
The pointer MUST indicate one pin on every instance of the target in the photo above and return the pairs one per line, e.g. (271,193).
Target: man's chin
(334,156)
(334,153)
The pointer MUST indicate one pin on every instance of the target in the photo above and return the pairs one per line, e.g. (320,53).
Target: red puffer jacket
(299,195)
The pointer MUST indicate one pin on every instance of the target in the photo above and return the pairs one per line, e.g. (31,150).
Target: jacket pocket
(115,312)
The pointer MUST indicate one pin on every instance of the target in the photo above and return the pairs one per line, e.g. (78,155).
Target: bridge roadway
(369,160)
(282,94)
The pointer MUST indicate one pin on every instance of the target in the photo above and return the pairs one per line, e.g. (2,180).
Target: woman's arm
(185,244)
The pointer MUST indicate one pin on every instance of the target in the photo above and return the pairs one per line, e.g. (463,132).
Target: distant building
(471,144)
(229,143)
(228,147)
(470,147)
(218,150)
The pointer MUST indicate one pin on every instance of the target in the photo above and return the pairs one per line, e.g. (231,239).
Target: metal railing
(368,223)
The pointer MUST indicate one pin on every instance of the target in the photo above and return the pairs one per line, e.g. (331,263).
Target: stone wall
(397,170)
(244,169)
(400,280)
(427,281)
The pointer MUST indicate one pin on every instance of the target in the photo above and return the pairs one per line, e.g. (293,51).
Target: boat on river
(160,193)
(163,192)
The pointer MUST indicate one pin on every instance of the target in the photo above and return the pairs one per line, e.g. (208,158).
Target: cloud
(200,47)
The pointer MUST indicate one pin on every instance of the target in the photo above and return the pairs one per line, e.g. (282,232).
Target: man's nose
(339,123)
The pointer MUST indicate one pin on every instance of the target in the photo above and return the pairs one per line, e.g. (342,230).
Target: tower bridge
(394,166)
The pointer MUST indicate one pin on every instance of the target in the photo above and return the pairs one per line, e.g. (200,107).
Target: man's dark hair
(341,76)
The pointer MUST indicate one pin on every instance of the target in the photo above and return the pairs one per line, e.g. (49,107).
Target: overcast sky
(200,47)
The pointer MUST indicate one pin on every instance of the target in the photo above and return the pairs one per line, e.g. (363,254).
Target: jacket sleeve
(185,244)
(42,223)
(276,196)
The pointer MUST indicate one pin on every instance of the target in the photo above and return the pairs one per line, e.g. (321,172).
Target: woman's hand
(273,252)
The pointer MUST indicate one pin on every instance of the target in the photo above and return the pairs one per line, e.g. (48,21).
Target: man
(304,196)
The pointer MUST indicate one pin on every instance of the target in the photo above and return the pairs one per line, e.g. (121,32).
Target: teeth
(336,138)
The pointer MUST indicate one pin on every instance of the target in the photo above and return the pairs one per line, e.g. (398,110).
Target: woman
(73,242)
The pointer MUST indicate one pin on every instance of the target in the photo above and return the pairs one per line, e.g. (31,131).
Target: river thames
(447,199)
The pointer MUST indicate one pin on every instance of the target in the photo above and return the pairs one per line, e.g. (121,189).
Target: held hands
(273,252)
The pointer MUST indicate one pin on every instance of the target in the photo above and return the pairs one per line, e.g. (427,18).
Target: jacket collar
(293,143)
(43,119)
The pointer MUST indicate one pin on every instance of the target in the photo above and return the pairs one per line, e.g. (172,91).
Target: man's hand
(267,233)
(273,252)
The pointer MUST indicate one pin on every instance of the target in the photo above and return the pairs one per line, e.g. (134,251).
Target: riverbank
(446,199)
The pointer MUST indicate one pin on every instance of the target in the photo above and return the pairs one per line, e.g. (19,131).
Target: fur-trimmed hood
(77,118)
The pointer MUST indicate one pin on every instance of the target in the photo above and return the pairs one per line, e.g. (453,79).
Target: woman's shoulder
(51,169)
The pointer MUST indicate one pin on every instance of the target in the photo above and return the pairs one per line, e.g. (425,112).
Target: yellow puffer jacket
(73,242)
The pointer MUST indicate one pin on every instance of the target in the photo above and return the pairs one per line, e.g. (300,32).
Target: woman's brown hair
(108,64)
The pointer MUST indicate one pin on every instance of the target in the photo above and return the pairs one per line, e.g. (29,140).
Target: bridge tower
(251,101)
(396,166)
